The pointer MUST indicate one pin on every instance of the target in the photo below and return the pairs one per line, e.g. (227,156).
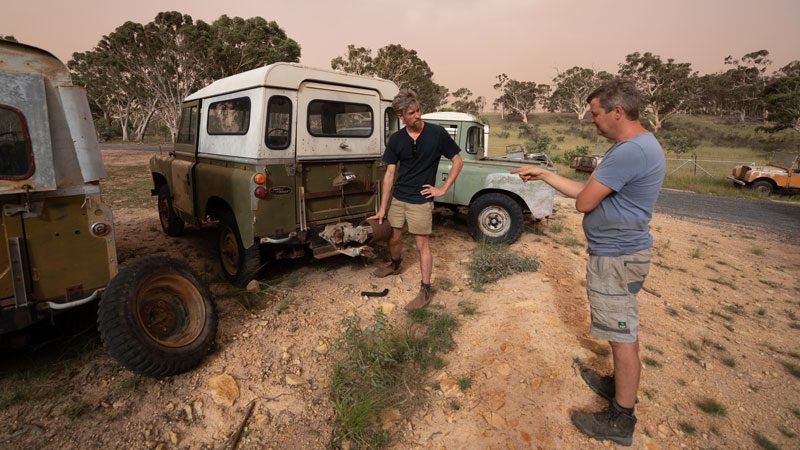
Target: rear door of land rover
(339,133)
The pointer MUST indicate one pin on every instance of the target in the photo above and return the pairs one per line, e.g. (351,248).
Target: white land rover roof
(452,116)
(291,76)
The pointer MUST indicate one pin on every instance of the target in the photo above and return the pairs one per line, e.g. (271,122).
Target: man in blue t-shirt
(413,153)
(618,202)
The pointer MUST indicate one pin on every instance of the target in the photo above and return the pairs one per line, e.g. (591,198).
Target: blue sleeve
(447,147)
(620,165)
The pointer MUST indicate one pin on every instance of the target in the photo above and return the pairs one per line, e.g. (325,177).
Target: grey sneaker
(610,423)
(602,385)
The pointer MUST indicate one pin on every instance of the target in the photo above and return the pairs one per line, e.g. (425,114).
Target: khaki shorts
(419,217)
(612,283)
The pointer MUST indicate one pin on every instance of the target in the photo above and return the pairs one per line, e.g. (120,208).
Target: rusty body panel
(781,173)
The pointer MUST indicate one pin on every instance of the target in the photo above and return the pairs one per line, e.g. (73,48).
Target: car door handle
(344,146)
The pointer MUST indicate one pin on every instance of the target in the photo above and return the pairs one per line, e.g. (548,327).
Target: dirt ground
(719,322)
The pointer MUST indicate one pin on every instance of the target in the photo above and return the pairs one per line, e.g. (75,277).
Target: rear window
(339,119)
(16,156)
(474,140)
(229,116)
(279,122)
(187,132)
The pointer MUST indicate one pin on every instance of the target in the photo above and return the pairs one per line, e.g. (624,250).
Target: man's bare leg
(425,258)
(396,243)
(627,369)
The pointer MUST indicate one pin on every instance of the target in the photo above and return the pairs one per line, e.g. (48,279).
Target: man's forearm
(386,189)
(566,186)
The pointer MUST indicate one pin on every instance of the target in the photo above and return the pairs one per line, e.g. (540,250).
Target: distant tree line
(138,75)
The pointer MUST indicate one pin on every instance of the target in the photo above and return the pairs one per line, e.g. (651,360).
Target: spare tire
(157,317)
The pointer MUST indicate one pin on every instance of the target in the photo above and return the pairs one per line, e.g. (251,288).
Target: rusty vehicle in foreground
(780,174)
(57,248)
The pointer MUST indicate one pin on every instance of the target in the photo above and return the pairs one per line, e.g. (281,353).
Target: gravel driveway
(780,217)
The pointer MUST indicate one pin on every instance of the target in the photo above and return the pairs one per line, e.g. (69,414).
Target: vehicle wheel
(239,265)
(170,222)
(495,218)
(763,187)
(157,317)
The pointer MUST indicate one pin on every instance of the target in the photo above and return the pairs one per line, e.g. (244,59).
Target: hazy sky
(467,43)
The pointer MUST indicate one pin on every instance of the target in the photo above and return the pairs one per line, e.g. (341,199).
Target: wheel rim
(763,189)
(163,211)
(494,221)
(229,251)
(170,310)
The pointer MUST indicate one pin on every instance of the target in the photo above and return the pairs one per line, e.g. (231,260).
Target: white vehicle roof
(291,76)
(451,115)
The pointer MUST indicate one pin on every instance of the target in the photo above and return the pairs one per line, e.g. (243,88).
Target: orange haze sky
(467,43)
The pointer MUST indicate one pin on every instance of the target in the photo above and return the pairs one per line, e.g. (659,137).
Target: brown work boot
(393,268)
(420,301)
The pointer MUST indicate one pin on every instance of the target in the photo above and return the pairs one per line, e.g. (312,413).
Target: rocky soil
(719,322)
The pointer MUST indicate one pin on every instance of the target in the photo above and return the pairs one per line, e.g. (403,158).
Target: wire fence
(713,168)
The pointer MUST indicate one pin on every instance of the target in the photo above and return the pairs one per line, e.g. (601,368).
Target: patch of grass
(20,393)
(790,314)
(761,311)
(692,345)
(764,442)
(672,311)
(687,427)
(572,242)
(696,290)
(791,368)
(378,367)
(713,344)
(445,284)
(735,309)
(556,227)
(689,308)
(724,282)
(454,405)
(730,362)
(467,308)
(795,325)
(713,407)
(710,267)
(694,358)
(714,312)
(697,253)
(721,262)
(715,430)
(681,382)
(662,265)
(757,251)
(76,407)
(796,412)
(654,349)
(650,362)
(648,393)
(787,432)
(769,283)
(464,382)
(794,355)
(491,262)
(729,327)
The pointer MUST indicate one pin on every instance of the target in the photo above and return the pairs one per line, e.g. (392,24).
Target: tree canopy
(520,97)
(573,87)
(138,70)
(399,64)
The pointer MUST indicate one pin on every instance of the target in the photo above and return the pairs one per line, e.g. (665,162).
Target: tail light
(260,179)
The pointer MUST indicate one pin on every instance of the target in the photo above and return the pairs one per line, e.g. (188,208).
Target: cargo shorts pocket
(637,266)
(610,314)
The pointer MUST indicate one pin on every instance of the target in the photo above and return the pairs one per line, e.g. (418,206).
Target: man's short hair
(404,99)
(618,91)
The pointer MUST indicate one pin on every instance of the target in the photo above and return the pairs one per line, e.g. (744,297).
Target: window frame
(390,116)
(320,100)
(195,109)
(28,145)
(288,130)
(480,139)
(249,116)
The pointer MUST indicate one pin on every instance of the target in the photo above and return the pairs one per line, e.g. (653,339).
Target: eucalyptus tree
(520,97)
(572,88)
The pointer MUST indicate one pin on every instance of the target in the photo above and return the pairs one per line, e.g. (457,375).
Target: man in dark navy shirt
(416,149)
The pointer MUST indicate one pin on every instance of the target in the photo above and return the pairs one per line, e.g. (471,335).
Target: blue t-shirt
(431,144)
(634,170)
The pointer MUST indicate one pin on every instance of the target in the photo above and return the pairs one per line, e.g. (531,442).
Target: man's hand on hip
(432,191)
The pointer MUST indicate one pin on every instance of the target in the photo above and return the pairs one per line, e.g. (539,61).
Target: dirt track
(722,295)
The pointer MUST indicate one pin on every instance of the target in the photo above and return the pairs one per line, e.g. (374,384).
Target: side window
(391,123)
(187,132)
(229,116)
(16,155)
(474,140)
(338,119)
(279,122)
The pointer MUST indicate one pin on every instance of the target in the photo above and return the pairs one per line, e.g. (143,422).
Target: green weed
(761,311)
(694,358)
(687,427)
(724,282)
(491,262)
(653,349)
(730,362)
(697,253)
(757,251)
(714,312)
(791,368)
(787,432)
(713,407)
(764,442)
(467,308)
(464,383)
(650,362)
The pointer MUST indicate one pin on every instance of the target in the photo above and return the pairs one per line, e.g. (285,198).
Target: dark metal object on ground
(375,294)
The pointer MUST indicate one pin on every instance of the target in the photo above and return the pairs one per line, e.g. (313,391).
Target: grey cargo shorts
(612,283)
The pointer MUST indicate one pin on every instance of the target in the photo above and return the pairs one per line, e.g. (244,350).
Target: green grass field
(719,145)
